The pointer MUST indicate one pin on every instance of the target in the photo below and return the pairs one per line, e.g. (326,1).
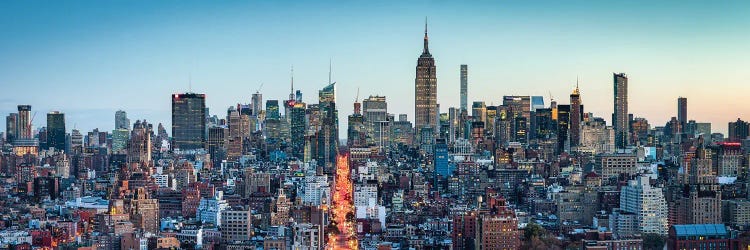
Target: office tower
(24,122)
(544,126)
(479,111)
(120,139)
(139,145)
(596,137)
(328,135)
(425,92)
(647,204)
(738,130)
(464,86)
(620,117)
(375,112)
(442,167)
(76,141)
(234,140)
(563,128)
(518,106)
(56,130)
(356,131)
(402,131)
(298,129)
(121,120)
(272,109)
(576,112)
(682,111)
(639,131)
(217,140)
(11,127)
(188,121)
(537,102)
(257,103)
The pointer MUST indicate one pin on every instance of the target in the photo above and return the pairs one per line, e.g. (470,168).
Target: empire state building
(425,92)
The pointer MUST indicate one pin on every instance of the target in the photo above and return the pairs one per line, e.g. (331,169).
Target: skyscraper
(738,130)
(621,122)
(682,113)
(139,146)
(272,109)
(24,122)
(375,112)
(328,135)
(425,91)
(56,130)
(257,103)
(121,120)
(575,117)
(11,127)
(188,121)
(464,86)
(298,129)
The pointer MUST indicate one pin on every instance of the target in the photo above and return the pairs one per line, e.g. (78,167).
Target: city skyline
(134,56)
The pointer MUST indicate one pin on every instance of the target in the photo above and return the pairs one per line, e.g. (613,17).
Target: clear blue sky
(90,58)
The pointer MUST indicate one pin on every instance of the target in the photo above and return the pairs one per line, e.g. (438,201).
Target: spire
(576,91)
(291,91)
(329,70)
(426,48)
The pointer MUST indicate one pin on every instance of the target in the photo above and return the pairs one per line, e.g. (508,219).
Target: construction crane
(258,90)
(28,125)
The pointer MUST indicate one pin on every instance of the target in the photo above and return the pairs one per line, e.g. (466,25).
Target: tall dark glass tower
(188,121)
(464,86)
(11,127)
(682,113)
(425,91)
(328,135)
(298,129)
(620,121)
(56,130)
(575,117)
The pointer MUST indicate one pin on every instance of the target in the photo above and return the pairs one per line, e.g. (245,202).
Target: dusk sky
(91,58)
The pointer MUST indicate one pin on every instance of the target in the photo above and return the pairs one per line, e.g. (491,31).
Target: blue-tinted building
(442,167)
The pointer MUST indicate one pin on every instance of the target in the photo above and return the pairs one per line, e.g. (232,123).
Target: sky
(91,58)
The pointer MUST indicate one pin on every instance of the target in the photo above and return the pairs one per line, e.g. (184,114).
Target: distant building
(620,117)
(56,130)
(738,130)
(121,120)
(188,121)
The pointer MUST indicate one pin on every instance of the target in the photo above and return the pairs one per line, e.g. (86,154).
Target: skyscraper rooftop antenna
(190,82)
(292,90)
(329,70)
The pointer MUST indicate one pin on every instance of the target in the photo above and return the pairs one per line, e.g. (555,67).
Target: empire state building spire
(425,94)
(426,39)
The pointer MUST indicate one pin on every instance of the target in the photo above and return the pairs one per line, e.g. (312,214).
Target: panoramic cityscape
(183,125)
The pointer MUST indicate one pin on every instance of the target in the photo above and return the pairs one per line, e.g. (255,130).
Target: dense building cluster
(524,174)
